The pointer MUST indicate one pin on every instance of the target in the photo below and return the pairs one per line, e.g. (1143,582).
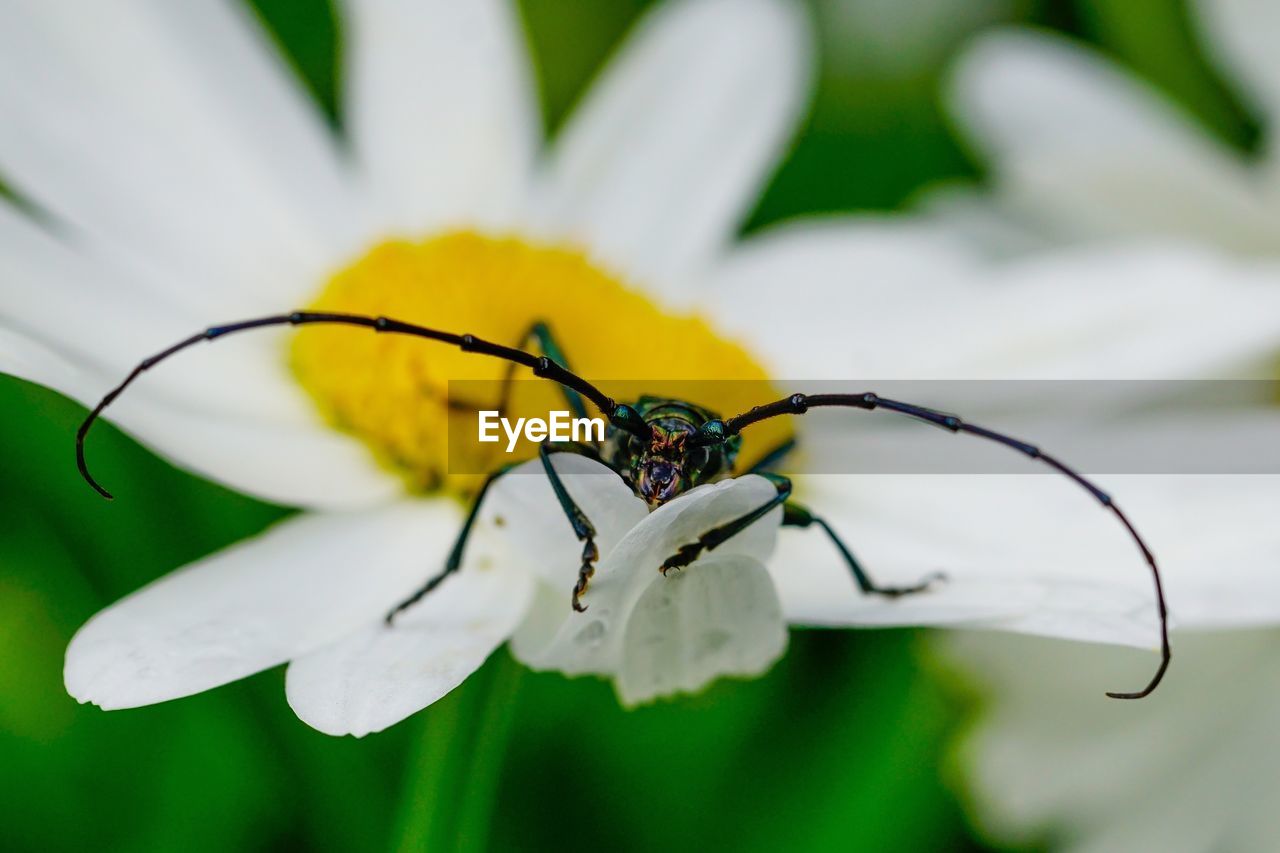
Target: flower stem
(453,773)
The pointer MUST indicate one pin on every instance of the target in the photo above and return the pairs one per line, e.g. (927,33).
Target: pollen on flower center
(392,391)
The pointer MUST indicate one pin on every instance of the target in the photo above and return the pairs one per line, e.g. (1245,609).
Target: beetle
(661,448)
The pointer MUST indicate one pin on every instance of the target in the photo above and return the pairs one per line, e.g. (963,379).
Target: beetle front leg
(717,536)
(582,526)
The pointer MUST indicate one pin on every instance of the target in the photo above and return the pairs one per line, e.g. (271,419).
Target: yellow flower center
(393,392)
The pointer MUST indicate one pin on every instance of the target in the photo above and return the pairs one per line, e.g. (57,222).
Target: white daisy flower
(180,178)
(1082,150)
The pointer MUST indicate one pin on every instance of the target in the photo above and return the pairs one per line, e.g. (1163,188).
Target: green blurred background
(844,746)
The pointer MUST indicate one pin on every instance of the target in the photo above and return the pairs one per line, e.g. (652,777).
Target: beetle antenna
(714,432)
(621,416)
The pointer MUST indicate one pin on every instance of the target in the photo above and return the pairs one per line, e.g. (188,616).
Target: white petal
(1023,533)
(228,411)
(555,637)
(1158,313)
(296,466)
(442,113)
(1089,612)
(1240,37)
(691,117)
(817,589)
(1022,583)
(378,676)
(1081,144)
(866,271)
(95,316)
(720,618)
(305,468)
(1149,312)
(304,583)
(173,134)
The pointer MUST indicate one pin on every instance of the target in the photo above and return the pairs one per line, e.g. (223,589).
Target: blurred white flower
(1193,771)
(654,635)
(1083,151)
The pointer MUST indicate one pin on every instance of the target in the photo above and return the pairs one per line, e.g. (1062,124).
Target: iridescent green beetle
(661,448)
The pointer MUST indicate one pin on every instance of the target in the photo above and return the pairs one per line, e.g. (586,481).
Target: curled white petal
(720,618)
(592,642)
